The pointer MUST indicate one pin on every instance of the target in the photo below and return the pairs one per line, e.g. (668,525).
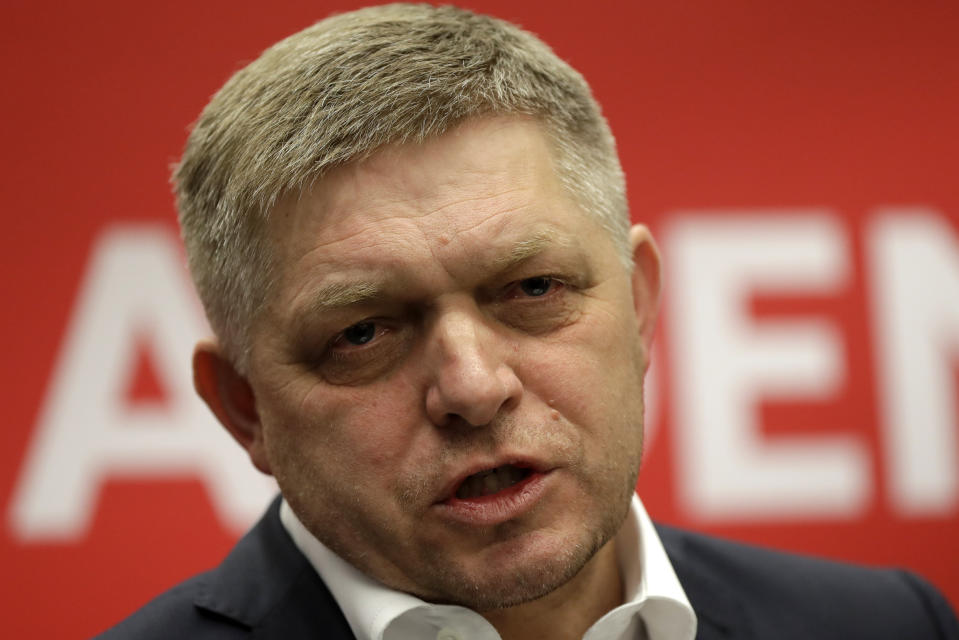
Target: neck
(571,609)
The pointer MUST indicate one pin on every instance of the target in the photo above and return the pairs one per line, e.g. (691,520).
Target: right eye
(358,334)
(364,351)
(536,287)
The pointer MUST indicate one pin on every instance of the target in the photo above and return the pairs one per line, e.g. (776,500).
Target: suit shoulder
(173,614)
(740,561)
(816,597)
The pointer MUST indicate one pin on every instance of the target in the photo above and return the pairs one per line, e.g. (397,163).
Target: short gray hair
(333,94)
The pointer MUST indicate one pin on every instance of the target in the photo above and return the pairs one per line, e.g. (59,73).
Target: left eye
(537,286)
(360,333)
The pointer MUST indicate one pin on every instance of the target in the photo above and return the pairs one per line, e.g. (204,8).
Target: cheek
(592,374)
(367,432)
(599,357)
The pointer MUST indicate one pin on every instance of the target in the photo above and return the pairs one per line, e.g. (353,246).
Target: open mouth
(486,483)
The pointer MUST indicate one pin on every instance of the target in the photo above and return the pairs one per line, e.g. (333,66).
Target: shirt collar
(651,589)
(375,612)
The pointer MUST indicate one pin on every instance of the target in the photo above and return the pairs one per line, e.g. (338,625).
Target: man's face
(442,311)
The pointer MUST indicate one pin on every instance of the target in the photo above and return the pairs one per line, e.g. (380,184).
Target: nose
(471,380)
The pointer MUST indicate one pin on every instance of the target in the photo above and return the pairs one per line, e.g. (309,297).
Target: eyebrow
(532,246)
(338,295)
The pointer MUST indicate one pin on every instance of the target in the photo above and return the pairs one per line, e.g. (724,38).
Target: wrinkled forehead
(475,182)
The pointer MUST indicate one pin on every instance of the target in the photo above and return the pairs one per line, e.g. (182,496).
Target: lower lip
(497,508)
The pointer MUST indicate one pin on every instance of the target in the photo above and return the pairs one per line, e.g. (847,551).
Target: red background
(847,106)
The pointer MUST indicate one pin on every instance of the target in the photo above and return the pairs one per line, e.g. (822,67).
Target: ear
(646,281)
(231,399)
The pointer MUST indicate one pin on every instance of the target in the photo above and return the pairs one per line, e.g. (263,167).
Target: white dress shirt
(654,600)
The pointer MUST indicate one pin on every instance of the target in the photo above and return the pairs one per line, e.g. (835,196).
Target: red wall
(798,158)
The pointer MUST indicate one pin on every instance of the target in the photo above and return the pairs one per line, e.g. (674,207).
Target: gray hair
(336,92)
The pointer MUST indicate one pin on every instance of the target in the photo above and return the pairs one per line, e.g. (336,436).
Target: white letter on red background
(915,290)
(135,287)
(725,363)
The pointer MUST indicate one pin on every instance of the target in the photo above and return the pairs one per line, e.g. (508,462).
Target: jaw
(516,561)
(570,609)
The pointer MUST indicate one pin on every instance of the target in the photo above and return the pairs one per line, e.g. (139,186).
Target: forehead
(459,202)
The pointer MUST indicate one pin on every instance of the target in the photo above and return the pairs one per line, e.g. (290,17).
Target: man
(408,226)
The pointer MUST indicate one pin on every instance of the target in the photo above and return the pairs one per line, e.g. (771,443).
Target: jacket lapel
(267,585)
(719,614)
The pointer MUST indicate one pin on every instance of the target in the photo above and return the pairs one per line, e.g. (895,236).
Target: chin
(518,585)
(514,572)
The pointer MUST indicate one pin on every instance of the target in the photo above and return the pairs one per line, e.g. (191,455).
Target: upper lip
(487,464)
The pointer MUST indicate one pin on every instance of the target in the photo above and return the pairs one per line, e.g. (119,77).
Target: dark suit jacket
(265,588)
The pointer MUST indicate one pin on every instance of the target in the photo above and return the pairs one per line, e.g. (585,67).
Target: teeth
(489,482)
